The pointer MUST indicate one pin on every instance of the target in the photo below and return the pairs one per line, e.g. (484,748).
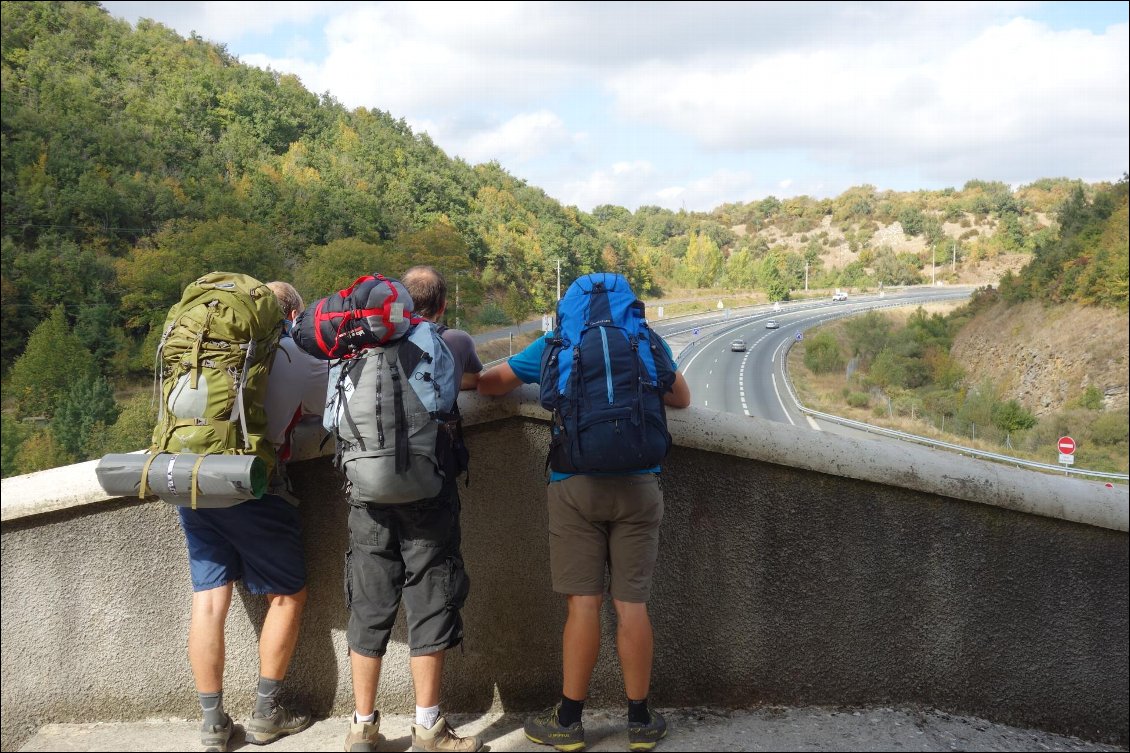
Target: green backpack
(212,365)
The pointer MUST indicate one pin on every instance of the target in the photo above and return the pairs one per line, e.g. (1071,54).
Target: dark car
(738,346)
(772,324)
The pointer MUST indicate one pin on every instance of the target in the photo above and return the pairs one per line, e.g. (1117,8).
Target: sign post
(1066,447)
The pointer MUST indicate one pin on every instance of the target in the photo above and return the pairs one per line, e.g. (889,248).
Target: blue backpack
(603,376)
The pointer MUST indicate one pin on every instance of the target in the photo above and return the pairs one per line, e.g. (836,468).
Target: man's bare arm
(498,380)
(680,394)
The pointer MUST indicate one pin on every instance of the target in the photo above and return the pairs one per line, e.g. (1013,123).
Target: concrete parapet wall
(795,568)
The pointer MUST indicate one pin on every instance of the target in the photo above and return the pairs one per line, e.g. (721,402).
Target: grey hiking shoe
(363,736)
(545,729)
(261,730)
(215,737)
(647,736)
(441,737)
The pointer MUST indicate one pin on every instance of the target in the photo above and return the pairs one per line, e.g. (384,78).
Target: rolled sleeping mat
(220,480)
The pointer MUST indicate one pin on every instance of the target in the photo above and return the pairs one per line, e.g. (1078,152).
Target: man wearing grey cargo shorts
(410,553)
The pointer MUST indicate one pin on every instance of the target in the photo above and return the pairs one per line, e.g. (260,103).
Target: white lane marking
(705,403)
(782,402)
(741,382)
(812,422)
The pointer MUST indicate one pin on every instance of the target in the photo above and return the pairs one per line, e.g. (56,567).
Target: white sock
(358,719)
(426,717)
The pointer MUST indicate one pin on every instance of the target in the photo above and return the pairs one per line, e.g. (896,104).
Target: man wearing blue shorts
(260,542)
(600,525)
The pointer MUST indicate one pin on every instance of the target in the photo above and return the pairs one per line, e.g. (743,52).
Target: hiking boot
(545,729)
(282,721)
(363,736)
(442,737)
(214,737)
(646,736)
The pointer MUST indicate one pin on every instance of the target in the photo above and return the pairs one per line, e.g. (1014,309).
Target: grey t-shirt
(297,380)
(462,348)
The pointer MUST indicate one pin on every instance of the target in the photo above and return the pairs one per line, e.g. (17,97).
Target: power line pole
(806,277)
(953,267)
(559,279)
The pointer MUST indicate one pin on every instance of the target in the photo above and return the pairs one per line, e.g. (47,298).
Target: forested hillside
(134,160)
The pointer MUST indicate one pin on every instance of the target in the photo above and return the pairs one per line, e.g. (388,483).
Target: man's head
(289,300)
(428,290)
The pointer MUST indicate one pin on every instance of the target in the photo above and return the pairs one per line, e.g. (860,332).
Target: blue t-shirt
(526,365)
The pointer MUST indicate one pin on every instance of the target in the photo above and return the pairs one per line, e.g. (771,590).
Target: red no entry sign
(1066,445)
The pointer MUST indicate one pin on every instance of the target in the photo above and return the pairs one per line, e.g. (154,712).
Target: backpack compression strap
(401,419)
(145,476)
(385,313)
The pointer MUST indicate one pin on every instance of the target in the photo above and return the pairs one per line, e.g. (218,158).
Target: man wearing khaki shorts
(598,523)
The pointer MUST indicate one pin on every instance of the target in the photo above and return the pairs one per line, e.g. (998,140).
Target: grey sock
(268,697)
(213,706)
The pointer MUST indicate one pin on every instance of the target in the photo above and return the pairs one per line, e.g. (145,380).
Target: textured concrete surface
(702,729)
(776,585)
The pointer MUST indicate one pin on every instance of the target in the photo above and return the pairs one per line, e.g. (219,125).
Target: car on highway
(772,324)
(838,296)
(738,346)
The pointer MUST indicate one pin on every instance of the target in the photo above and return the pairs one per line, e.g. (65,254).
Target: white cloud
(633,184)
(1004,98)
(224,21)
(522,138)
(826,93)
(622,184)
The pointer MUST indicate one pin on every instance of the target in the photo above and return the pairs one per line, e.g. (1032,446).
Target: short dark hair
(428,289)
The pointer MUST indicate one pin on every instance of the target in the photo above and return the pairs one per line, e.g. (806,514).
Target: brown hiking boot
(442,737)
(363,736)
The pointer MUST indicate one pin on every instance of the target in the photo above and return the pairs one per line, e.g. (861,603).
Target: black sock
(638,713)
(212,704)
(569,712)
(268,696)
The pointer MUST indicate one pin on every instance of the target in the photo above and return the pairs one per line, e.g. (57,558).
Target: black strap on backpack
(401,439)
(452,449)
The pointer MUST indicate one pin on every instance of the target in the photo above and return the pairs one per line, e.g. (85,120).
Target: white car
(738,346)
(839,296)
(772,324)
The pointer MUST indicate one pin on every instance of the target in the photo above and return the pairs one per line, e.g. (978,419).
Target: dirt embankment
(1046,357)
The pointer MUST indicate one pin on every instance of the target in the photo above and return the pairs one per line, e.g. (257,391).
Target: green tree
(740,269)
(54,360)
(822,353)
(703,264)
(156,272)
(516,305)
(12,436)
(39,452)
(868,335)
(1011,416)
(134,428)
(85,404)
(337,264)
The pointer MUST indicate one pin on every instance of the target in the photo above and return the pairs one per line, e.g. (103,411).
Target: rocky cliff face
(1046,357)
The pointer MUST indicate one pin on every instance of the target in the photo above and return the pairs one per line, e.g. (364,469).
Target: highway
(753,382)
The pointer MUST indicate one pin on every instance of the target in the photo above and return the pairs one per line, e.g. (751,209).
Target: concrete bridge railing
(795,568)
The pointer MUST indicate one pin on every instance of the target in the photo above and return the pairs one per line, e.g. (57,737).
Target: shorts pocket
(458,585)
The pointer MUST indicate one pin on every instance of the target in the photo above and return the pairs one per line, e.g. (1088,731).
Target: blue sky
(692,105)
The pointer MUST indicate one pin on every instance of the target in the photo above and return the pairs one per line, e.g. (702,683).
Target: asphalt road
(753,382)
